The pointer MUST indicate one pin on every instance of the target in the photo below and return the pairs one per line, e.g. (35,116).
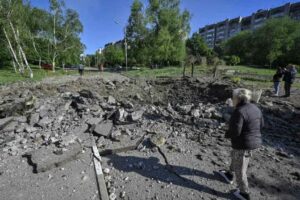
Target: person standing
(289,78)
(245,134)
(277,79)
(81,69)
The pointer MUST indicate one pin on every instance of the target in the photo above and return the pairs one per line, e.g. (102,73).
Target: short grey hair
(242,94)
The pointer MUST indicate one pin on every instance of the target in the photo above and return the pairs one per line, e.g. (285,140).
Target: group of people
(244,130)
(288,75)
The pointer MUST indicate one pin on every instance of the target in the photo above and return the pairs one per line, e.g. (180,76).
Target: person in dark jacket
(245,134)
(80,69)
(289,78)
(277,79)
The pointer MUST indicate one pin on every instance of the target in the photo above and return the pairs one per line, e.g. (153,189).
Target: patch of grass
(8,75)
(165,71)
(252,70)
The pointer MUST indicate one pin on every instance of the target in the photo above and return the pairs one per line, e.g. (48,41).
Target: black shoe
(228,176)
(241,195)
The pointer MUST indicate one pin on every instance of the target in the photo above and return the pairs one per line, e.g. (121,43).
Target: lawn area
(166,71)
(8,75)
(252,70)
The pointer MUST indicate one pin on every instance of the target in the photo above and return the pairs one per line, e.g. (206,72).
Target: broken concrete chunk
(107,106)
(4,122)
(195,113)
(121,114)
(137,96)
(185,109)
(115,135)
(44,159)
(10,127)
(136,116)
(74,135)
(30,129)
(127,104)
(34,118)
(104,128)
(111,100)
(94,121)
(45,121)
(21,119)
(86,94)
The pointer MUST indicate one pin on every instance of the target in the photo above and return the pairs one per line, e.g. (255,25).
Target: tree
(275,43)
(278,40)
(114,54)
(64,35)
(13,22)
(232,60)
(169,28)
(136,33)
(197,48)
(240,45)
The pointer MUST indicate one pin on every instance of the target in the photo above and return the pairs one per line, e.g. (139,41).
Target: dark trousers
(80,72)
(287,88)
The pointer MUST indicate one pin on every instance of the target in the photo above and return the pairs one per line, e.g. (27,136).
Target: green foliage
(114,55)
(38,38)
(197,48)
(232,60)
(275,43)
(169,28)
(156,35)
(236,80)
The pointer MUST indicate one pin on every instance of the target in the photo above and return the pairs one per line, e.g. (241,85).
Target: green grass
(252,70)
(252,79)
(8,75)
(165,71)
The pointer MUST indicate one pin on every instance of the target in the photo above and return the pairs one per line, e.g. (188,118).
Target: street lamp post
(125,44)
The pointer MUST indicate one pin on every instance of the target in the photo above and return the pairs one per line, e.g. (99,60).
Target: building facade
(215,34)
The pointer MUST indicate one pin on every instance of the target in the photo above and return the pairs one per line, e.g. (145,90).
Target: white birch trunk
(22,53)
(12,51)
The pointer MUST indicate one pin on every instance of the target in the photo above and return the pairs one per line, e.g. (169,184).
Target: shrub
(236,80)
(232,60)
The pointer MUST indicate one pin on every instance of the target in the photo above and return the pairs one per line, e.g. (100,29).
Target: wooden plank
(103,195)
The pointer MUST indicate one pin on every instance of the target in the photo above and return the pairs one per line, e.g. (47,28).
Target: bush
(232,60)
(236,80)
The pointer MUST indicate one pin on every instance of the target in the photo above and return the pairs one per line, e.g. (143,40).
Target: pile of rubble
(164,116)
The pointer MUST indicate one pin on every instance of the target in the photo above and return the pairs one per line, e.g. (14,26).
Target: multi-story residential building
(294,11)
(215,34)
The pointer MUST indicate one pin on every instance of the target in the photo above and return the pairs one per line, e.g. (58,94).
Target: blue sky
(98,16)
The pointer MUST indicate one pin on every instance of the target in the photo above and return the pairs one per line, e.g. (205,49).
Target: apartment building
(214,34)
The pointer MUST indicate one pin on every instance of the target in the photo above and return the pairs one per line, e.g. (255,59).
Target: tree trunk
(26,62)
(12,51)
(54,40)
(36,51)
(53,64)
(22,53)
(40,63)
(22,68)
(14,65)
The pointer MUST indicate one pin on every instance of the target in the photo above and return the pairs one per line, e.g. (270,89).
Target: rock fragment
(44,159)
(104,128)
